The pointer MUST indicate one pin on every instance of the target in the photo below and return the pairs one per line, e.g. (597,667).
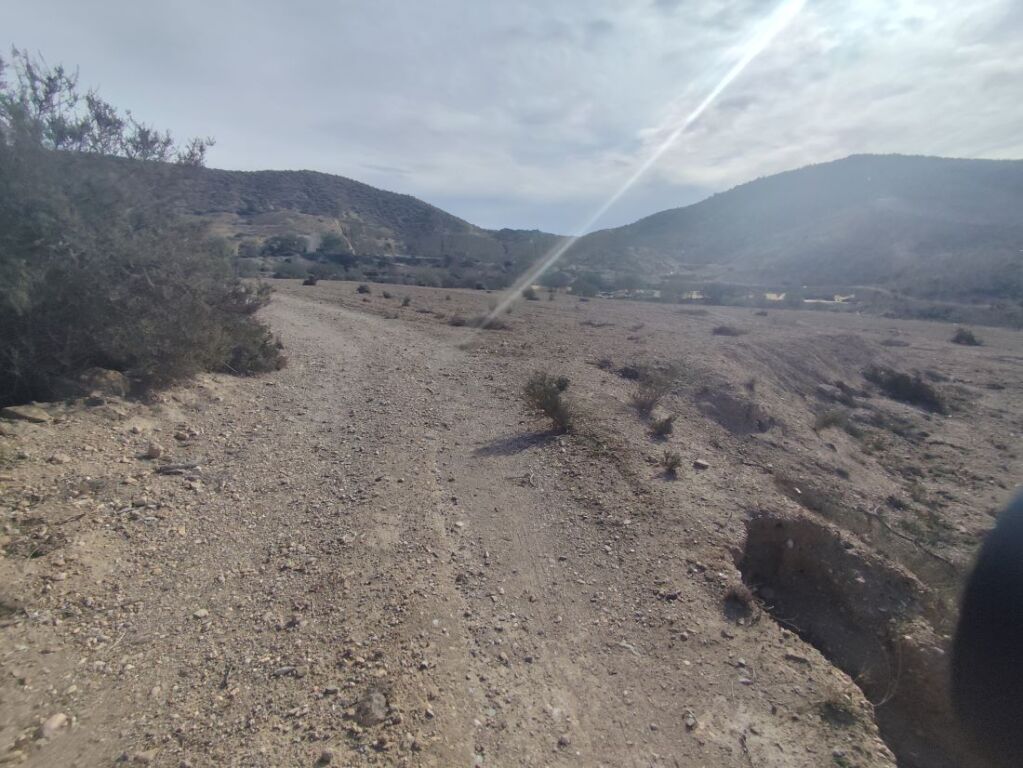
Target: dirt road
(379,559)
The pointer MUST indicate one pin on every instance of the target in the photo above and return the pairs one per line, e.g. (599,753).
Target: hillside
(930,226)
(371,221)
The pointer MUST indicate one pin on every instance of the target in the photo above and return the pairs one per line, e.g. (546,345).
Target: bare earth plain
(377,557)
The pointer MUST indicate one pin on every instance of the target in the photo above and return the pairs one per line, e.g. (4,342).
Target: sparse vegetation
(544,394)
(670,463)
(727,330)
(966,337)
(653,386)
(661,428)
(387,295)
(406,301)
(906,388)
(833,417)
(363,288)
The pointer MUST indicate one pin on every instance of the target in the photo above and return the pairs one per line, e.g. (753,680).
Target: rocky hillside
(929,226)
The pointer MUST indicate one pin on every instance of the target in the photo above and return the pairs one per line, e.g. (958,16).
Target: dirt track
(381,560)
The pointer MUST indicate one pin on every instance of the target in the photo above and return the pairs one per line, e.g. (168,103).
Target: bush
(727,330)
(653,386)
(386,294)
(905,388)
(456,320)
(363,288)
(311,280)
(670,462)
(530,294)
(90,278)
(663,427)
(966,337)
(544,394)
(406,301)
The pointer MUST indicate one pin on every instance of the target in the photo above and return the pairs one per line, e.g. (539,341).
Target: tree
(47,102)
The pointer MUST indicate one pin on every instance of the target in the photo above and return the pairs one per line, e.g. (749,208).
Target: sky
(531,114)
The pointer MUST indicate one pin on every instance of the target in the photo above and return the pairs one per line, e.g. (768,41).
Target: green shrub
(966,337)
(94,276)
(544,394)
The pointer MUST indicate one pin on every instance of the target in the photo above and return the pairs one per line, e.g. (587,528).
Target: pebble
(202,613)
(52,725)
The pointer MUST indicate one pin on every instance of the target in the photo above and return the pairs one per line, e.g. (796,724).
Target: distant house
(770,296)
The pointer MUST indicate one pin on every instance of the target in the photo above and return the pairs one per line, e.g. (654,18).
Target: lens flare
(766,32)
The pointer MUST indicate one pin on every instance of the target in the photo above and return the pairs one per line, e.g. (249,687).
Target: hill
(247,207)
(934,227)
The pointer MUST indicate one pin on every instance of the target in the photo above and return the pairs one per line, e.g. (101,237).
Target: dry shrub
(670,462)
(663,427)
(906,388)
(966,337)
(653,386)
(544,394)
(727,330)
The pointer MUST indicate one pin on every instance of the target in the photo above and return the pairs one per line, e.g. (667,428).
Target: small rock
(153,451)
(144,758)
(202,613)
(690,721)
(30,413)
(52,725)
(701,464)
(326,757)
(564,742)
(59,458)
(371,709)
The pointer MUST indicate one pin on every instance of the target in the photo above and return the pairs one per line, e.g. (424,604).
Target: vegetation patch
(966,337)
(544,394)
(906,388)
(670,463)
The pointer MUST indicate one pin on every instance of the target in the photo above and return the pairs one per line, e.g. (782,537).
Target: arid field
(379,556)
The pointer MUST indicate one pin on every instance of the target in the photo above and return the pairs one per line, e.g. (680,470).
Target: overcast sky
(529,114)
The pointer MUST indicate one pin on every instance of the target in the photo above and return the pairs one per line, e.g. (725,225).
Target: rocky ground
(377,557)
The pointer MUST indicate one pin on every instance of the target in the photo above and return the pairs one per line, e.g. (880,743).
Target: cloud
(537,111)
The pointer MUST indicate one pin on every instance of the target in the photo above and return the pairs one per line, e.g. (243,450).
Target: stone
(53,724)
(371,709)
(31,413)
(59,458)
(153,451)
(202,613)
(701,464)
